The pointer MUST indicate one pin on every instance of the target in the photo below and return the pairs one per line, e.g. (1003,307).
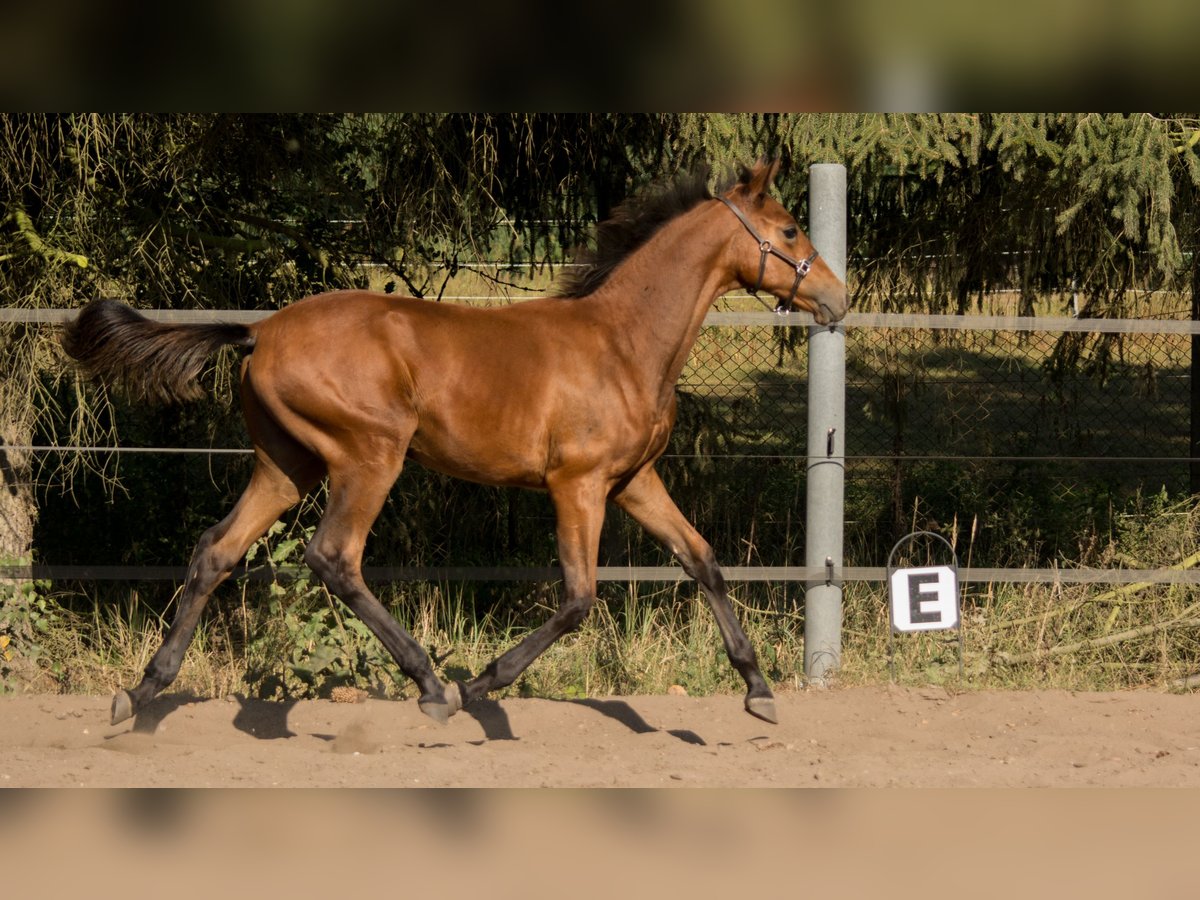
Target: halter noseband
(802,266)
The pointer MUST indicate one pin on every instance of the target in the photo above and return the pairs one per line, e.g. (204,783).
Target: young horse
(572,394)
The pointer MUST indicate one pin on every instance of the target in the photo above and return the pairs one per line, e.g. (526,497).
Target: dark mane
(631,225)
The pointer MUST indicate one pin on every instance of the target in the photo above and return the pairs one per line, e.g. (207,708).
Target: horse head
(776,255)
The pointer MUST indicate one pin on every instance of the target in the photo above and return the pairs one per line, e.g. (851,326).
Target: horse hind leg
(335,555)
(269,494)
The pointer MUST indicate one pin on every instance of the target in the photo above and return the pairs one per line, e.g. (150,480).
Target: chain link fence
(1028,441)
(968,394)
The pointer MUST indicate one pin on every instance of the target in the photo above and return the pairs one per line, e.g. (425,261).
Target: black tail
(115,344)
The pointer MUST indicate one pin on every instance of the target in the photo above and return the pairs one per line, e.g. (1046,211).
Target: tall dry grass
(293,640)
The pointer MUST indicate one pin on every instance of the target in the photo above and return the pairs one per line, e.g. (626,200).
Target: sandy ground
(851,737)
(602,843)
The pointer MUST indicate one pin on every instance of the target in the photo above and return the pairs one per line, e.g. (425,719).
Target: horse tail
(117,345)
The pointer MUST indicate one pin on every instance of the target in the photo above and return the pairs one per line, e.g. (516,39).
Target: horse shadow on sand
(262,719)
(268,719)
(622,712)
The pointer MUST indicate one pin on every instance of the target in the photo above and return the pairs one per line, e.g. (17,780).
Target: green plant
(27,614)
(305,629)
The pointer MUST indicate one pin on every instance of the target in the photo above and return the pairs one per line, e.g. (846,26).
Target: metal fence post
(826,436)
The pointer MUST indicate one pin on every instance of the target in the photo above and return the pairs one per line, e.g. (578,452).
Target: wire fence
(966,388)
(948,418)
(1018,435)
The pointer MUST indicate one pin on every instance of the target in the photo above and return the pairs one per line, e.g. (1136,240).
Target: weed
(306,646)
(27,614)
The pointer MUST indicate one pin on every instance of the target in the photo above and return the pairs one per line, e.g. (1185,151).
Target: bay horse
(573,394)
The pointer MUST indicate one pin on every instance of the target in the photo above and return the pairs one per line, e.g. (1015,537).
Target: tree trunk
(1194,379)
(18,510)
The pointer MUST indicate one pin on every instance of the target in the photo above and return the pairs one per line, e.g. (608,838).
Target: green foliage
(320,648)
(1155,530)
(27,614)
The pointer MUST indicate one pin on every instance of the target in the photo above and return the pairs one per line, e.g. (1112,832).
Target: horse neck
(657,299)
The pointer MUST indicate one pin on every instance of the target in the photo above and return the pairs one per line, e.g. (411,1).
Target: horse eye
(790,232)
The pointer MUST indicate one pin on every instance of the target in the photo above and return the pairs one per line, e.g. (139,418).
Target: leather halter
(802,266)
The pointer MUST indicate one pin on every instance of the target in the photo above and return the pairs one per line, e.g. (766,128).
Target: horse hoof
(441,712)
(122,707)
(762,708)
(454,698)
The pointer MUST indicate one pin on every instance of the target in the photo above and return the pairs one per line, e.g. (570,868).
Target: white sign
(924,599)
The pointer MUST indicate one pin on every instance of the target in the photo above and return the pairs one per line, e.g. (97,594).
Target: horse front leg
(647,501)
(579,508)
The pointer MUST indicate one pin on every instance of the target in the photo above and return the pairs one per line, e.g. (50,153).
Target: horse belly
(496,462)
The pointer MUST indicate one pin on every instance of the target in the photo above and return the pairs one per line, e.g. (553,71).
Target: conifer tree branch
(38,245)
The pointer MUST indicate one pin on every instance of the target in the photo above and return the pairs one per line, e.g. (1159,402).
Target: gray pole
(826,436)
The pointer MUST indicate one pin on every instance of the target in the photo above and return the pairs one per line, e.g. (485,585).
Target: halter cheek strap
(765,248)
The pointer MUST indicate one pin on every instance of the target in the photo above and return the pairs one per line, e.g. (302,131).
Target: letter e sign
(924,599)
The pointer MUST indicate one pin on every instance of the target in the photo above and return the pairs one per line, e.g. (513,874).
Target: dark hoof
(762,708)
(122,707)
(441,712)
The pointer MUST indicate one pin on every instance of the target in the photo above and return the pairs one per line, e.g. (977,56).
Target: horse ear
(755,182)
(764,174)
(772,172)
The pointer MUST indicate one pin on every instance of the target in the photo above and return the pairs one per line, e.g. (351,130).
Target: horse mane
(631,226)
